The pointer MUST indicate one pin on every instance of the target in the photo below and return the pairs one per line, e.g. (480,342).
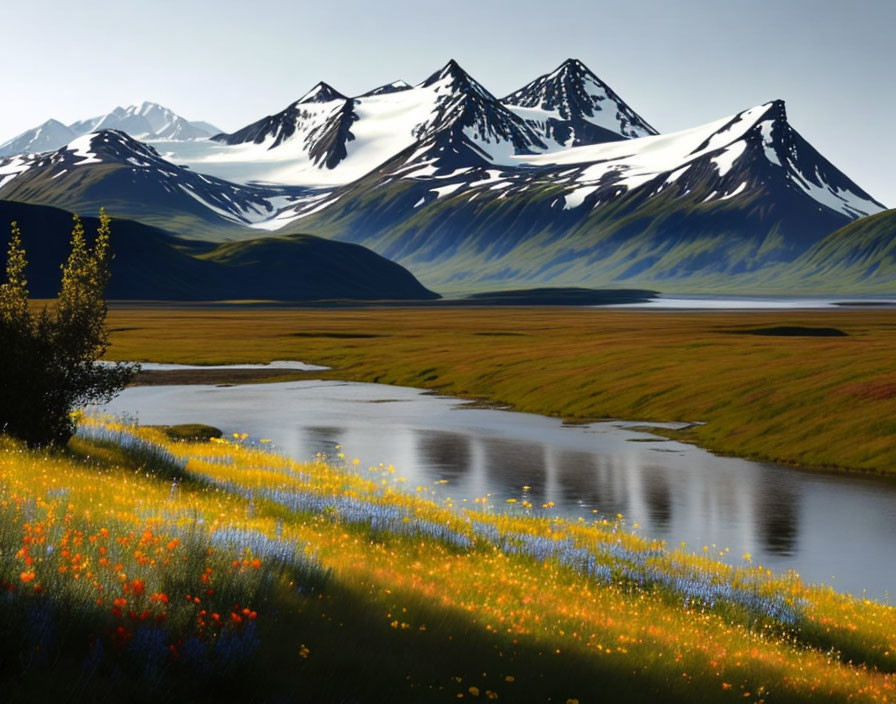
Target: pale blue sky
(677,63)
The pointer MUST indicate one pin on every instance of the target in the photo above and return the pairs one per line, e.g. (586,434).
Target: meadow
(140,566)
(810,388)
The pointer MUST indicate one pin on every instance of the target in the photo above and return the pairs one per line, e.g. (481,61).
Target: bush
(48,364)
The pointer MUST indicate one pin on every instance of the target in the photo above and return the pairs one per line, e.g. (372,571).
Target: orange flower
(160,597)
(256,563)
(137,586)
(27,577)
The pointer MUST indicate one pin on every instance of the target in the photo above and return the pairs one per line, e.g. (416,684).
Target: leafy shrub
(48,361)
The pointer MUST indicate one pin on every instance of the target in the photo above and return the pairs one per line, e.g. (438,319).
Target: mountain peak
(777,110)
(118,141)
(573,65)
(452,70)
(321,93)
(145,107)
(573,107)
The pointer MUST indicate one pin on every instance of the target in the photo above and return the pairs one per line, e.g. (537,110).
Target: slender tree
(49,362)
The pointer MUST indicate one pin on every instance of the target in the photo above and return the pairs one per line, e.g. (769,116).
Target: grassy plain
(216,571)
(818,402)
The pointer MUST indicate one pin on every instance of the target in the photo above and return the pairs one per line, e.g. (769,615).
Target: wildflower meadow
(135,565)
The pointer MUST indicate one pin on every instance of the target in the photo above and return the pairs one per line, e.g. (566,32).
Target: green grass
(817,402)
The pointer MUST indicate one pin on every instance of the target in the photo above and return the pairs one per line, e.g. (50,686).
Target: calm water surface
(710,302)
(833,529)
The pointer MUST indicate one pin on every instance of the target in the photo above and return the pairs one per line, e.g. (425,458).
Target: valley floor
(809,388)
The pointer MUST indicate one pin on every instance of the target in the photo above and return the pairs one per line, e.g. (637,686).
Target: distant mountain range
(150,263)
(560,183)
(147,121)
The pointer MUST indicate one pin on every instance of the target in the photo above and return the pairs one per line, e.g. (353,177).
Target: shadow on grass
(790,331)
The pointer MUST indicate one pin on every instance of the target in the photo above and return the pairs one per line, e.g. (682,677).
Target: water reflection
(658,497)
(449,455)
(787,519)
(322,439)
(777,518)
(512,464)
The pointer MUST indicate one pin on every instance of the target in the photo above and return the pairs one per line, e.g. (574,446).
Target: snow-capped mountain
(561,183)
(112,169)
(726,198)
(147,121)
(326,138)
(447,121)
(50,135)
(736,154)
(571,106)
(318,124)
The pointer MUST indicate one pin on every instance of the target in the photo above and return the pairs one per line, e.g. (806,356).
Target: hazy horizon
(677,64)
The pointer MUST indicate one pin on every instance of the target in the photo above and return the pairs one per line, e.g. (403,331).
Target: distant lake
(833,529)
(707,302)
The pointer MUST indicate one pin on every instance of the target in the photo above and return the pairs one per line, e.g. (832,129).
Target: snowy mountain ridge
(147,121)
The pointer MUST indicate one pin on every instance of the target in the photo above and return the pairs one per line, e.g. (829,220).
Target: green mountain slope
(150,263)
(858,257)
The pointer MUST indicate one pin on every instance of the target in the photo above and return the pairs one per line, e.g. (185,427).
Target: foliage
(48,362)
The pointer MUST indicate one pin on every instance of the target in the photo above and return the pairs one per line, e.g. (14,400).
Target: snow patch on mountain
(575,198)
(446,190)
(726,159)
(81,147)
(841,200)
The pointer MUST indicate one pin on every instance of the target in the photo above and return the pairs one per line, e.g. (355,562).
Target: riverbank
(763,386)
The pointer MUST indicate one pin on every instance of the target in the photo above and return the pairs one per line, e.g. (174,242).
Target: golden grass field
(818,402)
